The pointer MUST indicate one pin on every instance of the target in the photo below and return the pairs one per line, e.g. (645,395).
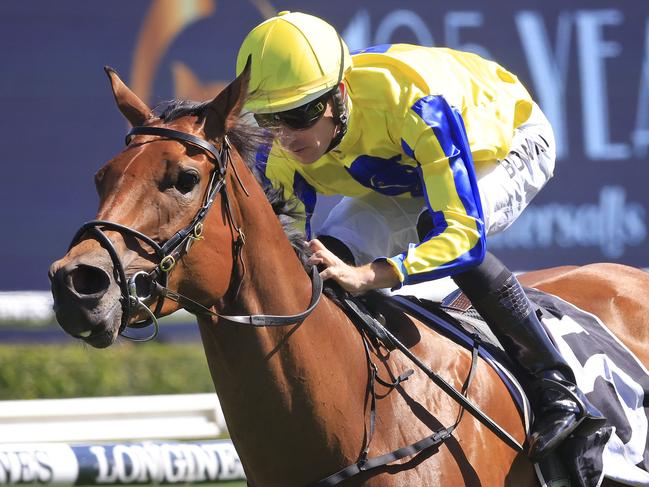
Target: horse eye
(186,181)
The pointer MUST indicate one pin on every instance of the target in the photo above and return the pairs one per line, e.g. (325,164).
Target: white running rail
(173,417)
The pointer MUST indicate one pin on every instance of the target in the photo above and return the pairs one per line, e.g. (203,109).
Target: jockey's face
(310,144)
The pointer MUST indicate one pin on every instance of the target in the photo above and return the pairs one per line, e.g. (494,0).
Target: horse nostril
(88,280)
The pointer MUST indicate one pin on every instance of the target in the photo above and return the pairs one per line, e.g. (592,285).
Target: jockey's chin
(306,155)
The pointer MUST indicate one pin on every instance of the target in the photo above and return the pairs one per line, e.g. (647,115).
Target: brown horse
(295,397)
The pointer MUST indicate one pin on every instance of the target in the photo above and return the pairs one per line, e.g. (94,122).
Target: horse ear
(134,109)
(224,110)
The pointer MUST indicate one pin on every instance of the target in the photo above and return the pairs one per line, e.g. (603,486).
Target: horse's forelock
(245,135)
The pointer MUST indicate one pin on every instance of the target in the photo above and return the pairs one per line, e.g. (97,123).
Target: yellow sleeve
(434,136)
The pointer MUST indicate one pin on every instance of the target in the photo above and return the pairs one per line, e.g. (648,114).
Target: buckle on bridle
(167,263)
(198,231)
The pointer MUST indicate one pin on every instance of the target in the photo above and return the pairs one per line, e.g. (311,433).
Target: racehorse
(295,397)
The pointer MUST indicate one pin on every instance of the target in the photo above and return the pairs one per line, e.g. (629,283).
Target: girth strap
(365,464)
(391,342)
(435,439)
(456,396)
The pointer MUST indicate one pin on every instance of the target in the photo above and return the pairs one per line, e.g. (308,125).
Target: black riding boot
(560,408)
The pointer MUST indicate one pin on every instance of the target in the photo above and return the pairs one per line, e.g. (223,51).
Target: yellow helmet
(296,58)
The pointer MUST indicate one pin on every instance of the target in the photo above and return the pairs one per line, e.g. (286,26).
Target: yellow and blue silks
(420,118)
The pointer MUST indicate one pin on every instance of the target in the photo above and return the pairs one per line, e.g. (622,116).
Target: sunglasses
(300,118)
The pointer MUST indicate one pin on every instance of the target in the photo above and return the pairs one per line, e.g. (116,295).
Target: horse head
(164,193)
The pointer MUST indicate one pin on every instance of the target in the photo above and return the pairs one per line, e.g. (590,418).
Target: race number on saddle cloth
(473,157)
(618,384)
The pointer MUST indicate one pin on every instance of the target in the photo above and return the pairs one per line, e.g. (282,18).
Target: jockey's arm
(434,136)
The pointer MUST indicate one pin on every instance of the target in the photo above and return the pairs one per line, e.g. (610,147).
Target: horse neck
(274,280)
(264,375)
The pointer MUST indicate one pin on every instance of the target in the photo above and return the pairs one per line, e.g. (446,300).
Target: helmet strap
(338,97)
(340,114)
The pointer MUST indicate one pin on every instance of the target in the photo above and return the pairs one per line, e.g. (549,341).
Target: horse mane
(248,139)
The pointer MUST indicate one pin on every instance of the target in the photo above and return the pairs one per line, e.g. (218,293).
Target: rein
(143,288)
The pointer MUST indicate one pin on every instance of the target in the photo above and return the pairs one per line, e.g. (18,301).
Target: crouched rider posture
(415,139)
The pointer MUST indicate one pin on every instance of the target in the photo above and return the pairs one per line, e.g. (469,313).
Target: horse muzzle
(87,300)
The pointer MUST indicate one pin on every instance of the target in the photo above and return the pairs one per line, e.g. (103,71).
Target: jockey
(433,150)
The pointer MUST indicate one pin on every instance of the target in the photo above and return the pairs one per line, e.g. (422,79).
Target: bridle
(143,288)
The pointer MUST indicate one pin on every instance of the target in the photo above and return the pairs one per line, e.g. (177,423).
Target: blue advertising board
(586,63)
(148,463)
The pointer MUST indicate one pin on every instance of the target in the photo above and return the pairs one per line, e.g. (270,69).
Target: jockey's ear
(134,109)
(224,110)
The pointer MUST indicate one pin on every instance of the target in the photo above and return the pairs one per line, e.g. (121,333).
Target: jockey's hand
(356,280)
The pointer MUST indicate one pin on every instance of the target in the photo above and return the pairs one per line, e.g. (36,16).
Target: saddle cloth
(612,378)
